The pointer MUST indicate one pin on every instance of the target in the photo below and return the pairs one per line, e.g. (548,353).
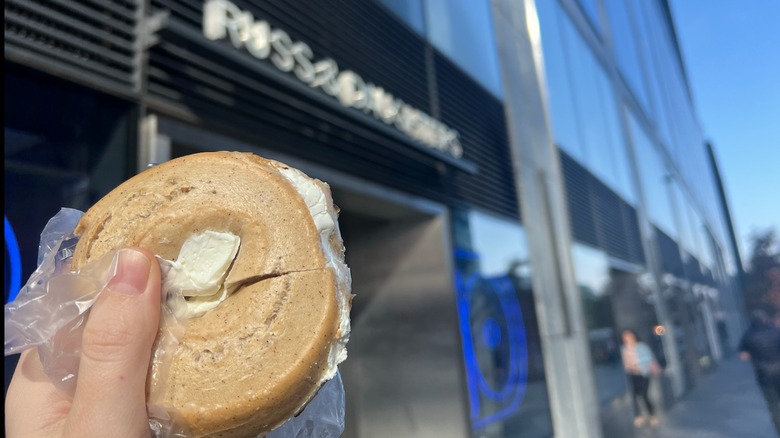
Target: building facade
(518,181)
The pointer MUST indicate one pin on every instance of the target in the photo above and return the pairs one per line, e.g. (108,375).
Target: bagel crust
(246,366)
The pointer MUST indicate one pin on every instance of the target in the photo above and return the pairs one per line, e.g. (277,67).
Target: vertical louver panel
(580,201)
(669,253)
(598,216)
(93,42)
(479,117)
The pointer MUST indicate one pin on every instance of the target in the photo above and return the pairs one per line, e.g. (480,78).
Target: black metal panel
(230,98)
(598,216)
(669,252)
(88,41)
(358,35)
(225,89)
(480,119)
(634,242)
(579,200)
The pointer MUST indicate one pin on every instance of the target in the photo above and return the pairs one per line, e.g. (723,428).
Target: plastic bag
(50,311)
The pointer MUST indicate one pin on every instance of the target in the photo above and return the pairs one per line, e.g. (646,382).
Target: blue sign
(13,263)
(494,344)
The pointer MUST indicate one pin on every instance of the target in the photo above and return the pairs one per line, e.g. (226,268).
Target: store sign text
(222,19)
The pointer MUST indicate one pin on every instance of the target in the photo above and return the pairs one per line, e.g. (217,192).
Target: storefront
(517,185)
(445,336)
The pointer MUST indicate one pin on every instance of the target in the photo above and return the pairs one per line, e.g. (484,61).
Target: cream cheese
(195,281)
(326,221)
(198,273)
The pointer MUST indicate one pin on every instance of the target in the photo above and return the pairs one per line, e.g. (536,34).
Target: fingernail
(132,273)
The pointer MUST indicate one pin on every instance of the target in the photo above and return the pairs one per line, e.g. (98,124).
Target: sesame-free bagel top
(247,365)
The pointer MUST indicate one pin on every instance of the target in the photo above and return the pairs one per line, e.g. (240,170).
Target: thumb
(110,398)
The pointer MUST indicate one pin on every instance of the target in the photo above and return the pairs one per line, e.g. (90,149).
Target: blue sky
(732,56)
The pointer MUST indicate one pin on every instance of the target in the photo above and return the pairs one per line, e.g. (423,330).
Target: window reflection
(501,344)
(626,48)
(583,106)
(463,30)
(591,9)
(687,315)
(655,178)
(409,11)
(613,299)
(559,85)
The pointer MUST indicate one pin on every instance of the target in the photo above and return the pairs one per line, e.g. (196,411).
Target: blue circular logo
(13,263)
(494,346)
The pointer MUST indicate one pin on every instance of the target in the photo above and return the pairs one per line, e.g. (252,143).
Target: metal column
(539,182)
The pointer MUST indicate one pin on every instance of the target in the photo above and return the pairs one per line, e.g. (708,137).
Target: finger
(33,406)
(110,397)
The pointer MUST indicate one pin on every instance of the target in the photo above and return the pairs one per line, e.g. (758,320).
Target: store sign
(224,20)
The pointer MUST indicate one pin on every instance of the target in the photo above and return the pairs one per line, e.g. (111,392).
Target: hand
(744,355)
(110,398)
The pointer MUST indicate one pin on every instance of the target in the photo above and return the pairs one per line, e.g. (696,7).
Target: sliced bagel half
(247,365)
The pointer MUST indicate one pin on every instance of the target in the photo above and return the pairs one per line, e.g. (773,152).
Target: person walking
(761,346)
(640,364)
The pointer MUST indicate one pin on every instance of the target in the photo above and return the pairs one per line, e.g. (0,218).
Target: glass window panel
(614,149)
(658,76)
(686,213)
(584,110)
(501,344)
(680,200)
(582,67)
(559,83)
(626,48)
(463,30)
(592,273)
(654,177)
(700,236)
(613,300)
(591,9)
(409,11)
(602,157)
(65,146)
(695,248)
(645,42)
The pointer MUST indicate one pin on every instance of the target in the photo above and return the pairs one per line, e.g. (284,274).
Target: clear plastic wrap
(50,311)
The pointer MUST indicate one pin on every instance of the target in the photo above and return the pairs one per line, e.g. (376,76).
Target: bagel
(278,328)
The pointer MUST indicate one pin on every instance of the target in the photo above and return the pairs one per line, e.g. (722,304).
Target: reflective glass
(583,105)
(655,179)
(591,268)
(686,317)
(649,14)
(563,117)
(501,344)
(409,11)
(463,30)
(65,146)
(644,44)
(626,49)
(685,233)
(614,150)
(700,237)
(582,70)
(612,300)
(591,9)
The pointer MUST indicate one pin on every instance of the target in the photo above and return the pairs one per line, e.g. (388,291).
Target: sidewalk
(724,404)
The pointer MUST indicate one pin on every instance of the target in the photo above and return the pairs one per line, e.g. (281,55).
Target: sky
(731,51)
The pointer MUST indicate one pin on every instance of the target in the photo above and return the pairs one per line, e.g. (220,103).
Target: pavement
(724,404)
